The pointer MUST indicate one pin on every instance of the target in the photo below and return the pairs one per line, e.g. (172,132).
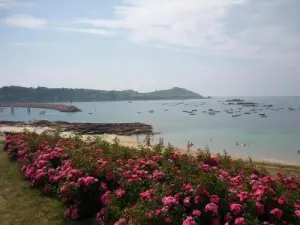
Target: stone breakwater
(58,107)
(87,128)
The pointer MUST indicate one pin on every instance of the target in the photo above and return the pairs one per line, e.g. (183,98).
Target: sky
(215,47)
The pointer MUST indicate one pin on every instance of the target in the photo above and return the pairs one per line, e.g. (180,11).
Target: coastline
(132,141)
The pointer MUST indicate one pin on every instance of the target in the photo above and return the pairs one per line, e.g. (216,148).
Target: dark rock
(87,128)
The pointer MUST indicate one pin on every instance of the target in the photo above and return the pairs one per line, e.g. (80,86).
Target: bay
(276,137)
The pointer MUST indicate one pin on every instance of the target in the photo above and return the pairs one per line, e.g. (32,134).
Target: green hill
(43,94)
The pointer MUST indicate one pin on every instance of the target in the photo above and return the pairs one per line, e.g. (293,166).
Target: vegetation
(120,185)
(42,94)
(21,204)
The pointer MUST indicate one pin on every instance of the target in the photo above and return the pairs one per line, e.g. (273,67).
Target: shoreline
(132,141)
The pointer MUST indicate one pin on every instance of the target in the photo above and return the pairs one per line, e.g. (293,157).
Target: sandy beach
(129,141)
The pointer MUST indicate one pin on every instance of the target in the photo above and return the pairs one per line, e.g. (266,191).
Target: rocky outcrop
(87,128)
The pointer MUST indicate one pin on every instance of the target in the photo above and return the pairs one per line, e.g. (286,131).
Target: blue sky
(216,47)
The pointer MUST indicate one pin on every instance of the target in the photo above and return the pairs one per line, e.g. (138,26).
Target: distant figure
(237,144)
(298,151)
(210,139)
(189,145)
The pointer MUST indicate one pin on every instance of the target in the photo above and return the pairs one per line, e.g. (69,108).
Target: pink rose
(189,221)
(215,199)
(282,200)
(196,212)
(260,208)
(239,221)
(186,202)
(168,220)
(236,208)
(277,212)
(212,208)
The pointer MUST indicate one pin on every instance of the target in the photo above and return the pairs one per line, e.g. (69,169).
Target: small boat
(90,113)
(212,113)
(139,112)
(130,102)
(151,111)
(42,112)
(291,109)
(166,110)
(263,116)
(192,114)
(184,111)
(247,113)
(236,115)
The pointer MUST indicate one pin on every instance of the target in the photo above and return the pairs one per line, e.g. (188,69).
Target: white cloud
(205,26)
(25,21)
(100,32)
(176,22)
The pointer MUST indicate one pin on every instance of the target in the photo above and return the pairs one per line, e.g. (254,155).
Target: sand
(128,141)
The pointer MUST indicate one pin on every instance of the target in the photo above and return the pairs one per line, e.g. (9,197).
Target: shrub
(120,185)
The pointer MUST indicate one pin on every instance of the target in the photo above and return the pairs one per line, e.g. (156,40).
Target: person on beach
(189,145)
(237,144)
(298,151)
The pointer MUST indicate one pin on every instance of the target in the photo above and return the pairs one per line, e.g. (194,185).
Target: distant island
(42,94)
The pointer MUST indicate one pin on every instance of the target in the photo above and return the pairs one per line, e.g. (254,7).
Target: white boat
(42,112)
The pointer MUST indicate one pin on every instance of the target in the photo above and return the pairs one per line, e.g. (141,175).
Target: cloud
(177,22)
(25,21)
(232,27)
(7,4)
(93,31)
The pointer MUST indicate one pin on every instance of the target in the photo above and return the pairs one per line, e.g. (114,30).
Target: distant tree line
(43,94)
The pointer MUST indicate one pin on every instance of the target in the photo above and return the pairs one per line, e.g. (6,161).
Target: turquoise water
(275,137)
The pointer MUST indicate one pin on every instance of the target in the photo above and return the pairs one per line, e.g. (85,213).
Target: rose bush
(120,185)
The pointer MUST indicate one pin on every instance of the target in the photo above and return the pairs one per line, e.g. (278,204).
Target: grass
(22,205)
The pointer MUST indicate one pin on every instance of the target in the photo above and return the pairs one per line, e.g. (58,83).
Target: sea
(274,137)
